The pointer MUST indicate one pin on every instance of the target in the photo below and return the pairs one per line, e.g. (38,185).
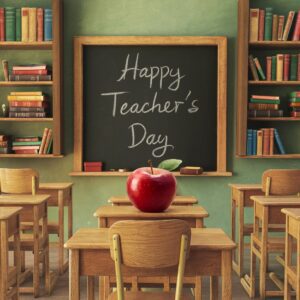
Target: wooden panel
(294,228)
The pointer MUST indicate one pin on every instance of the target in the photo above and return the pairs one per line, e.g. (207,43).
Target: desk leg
(214,288)
(3,260)
(74,288)
(60,232)
(233,222)
(264,254)
(90,288)
(103,287)
(240,258)
(226,275)
(36,250)
(70,215)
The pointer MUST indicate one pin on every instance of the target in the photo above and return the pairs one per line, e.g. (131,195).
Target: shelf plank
(275,44)
(265,82)
(288,119)
(284,156)
(26,45)
(30,156)
(123,174)
(26,119)
(25,83)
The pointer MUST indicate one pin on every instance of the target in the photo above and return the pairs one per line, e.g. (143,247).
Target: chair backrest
(19,181)
(150,244)
(281,182)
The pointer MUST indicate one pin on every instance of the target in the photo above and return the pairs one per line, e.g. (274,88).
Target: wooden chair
(276,183)
(152,245)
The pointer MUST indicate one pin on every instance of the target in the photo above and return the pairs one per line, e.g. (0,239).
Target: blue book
(249,141)
(278,142)
(48,24)
(254,142)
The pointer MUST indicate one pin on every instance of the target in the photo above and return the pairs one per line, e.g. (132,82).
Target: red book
(286,66)
(40,24)
(30,72)
(93,166)
(269,68)
(296,35)
(28,103)
(2,24)
(298,75)
(295,114)
(271,141)
(266,141)
(261,25)
(26,151)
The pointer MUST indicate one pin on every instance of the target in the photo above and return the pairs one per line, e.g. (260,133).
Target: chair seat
(149,296)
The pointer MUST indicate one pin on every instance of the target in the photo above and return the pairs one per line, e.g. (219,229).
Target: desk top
(292,212)
(172,212)
(55,185)
(201,238)
(8,212)
(276,200)
(13,199)
(246,186)
(178,199)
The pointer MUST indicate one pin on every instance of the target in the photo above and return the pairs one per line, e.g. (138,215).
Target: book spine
(24,139)
(48,24)
(43,140)
(30,72)
(294,94)
(27,114)
(25,147)
(254,142)
(266,141)
(259,106)
(295,114)
(271,141)
(265,97)
(269,67)
(295,99)
(5,70)
(259,149)
(32,26)
(298,69)
(40,24)
(249,142)
(10,24)
(296,34)
(286,66)
(264,101)
(18,25)
(28,103)
(29,143)
(261,25)
(48,139)
(50,145)
(253,68)
(281,20)
(259,68)
(25,24)
(288,26)
(294,104)
(26,93)
(27,109)
(278,142)
(25,98)
(30,77)
(279,71)
(294,67)
(29,67)
(268,23)
(26,151)
(2,24)
(275,28)
(274,68)
(265,113)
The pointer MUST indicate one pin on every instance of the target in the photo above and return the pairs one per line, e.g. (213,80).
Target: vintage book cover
(264,101)
(25,98)
(30,72)
(249,141)
(271,141)
(266,141)
(18,25)
(275,28)
(44,138)
(25,24)
(27,109)
(254,23)
(269,68)
(28,103)
(288,25)
(294,67)
(296,34)
(286,66)
(261,25)
(48,139)
(30,77)
(259,106)
(10,23)
(265,113)
(40,24)
(2,24)
(259,68)
(26,143)
(295,94)
(32,25)
(48,24)
(268,23)
(254,141)
(26,147)
(259,149)
(274,68)
(278,142)
(27,114)
(265,97)
(26,151)
(279,71)
(281,20)
(27,139)
(27,93)
(253,68)
(29,67)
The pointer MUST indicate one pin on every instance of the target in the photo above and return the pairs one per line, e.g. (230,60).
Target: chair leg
(61,232)
(90,288)
(22,260)
(198,288)
(214,287)
(47,271)
(252,271)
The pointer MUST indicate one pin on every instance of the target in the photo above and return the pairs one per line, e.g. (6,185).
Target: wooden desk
(178,200)
(61,197)
(210,255)
(9,276)
(240,199)
(34,210)
(267,211)
(292,272)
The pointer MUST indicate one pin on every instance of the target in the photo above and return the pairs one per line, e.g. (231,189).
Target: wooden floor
(62,286)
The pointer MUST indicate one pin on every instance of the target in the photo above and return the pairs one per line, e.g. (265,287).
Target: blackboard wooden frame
(84,41)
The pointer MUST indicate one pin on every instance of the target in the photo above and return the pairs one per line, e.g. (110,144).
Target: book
(259,106)
(295,94)
(274,68)
(44,138)
(26,143)
(294,99)
(29,67)
(264,101)
(266,141)
(265,97)
(27,93)
(286,66)
(5,69)
(48,24)
(275,28)
(10,24)
(27,109)
(269,68)
(25,24)
(4,150)
(271,141)
(50,146)
(296,34)
(294,67)
(298,73)
(30,77)
(27,114)
(265,113)
(30,72)
(295,114)
(32,25)
(253,68)
(279,69)
(40,24)
(281,20)
(278,142)
(294,104)
(259,68)
(261,25)
(254,23)
(3,138)
(27,139)
(28,103)
(26,151)
(259,148)
(288,25)
(18,25)
(25,98)
(25,147)
(2,24)
(254,141)
(249,141)
(48,140)
(268,23)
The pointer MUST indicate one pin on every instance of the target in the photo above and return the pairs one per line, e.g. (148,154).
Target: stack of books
(34,72)
(26,145)
(47,140)
(281,67)
(261,106)
(5,144)
(261,142)
(267,26)
(295,104)
(26,24)
(27,105)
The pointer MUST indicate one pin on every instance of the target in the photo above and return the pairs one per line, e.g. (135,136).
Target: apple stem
(150,165)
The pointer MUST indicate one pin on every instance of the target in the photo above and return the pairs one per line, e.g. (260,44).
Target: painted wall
(143,17)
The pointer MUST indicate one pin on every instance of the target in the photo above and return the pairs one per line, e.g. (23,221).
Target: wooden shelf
(284,156)
(275,44)
(26,119)
(26,45)
(25,83)
(30,156)
(122,174)
(265,82)
(288,119)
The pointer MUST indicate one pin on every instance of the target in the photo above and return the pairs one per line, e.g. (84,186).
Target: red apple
(151,192)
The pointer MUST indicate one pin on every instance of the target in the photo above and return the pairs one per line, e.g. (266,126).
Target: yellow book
(32,25)
(259,149)
(25,98)
(25,22)
(279,70)
(254,22)
(26,93)
(275,28)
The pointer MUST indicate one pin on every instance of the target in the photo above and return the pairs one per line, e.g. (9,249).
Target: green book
(18,24)
(10,24)
(264,101)
(274,67)
(27,143)
(295,99)
(295,94)
(294,67)
(268,23)
(49,147)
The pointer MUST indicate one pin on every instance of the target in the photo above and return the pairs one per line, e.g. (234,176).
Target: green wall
(143,17)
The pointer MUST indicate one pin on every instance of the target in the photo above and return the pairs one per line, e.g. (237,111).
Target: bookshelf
(245,84)
(55,48)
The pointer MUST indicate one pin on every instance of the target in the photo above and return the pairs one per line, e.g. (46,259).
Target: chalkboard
(153,101)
